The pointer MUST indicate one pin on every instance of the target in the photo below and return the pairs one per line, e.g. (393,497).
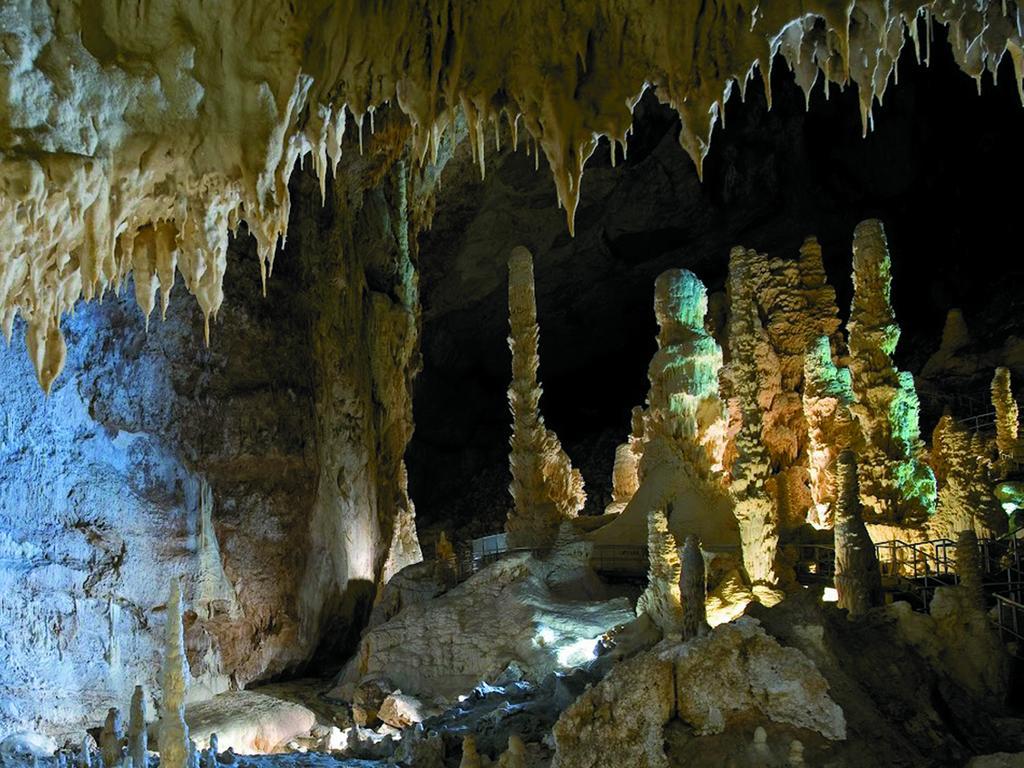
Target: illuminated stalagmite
(173,738)
(827,397)
(138,737)
(1007,418)
(515,755)
(662,600)
(545,488)
(896,486)
(964,462)
(681,429)
(857,577)
(968,568)
(693,589)
(752,362)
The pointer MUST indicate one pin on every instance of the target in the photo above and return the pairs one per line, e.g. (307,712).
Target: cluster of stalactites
(546,489)
(146,166)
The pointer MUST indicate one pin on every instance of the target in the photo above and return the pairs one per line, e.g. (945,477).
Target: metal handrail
(1010,617)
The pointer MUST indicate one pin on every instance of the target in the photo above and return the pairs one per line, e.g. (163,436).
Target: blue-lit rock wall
(252,469)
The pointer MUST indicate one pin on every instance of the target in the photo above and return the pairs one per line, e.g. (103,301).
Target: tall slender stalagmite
(662,600)
(965,462)
(1007,419)
(968,567)
(174,741)
(693,589)
(896,486)
(137,736)
(112,737)
(756,511)
(857,577)
(545,488)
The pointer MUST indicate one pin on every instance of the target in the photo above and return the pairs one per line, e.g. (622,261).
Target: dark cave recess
(934,169)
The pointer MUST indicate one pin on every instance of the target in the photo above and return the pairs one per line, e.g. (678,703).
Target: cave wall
(295,419)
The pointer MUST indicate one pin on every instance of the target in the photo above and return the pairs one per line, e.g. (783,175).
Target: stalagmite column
(470,757)
(966,500)
(138,738)
(857,577)
(693,589)
(174,741)
(515,755)
(896,486)
(545,488)
(1007,419)
(755,509)
(827,397)
(662,600)
(968,568)
(112,737)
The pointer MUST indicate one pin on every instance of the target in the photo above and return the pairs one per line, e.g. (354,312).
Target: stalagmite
(896,486)
(751,360)
(662,600)
(138,738)
(84,757)
(545,488)
(968,568)
(515,755)
(827,397)
(1007,419)
(112,738)
(470,757)
(857,577)
(966,501)
(174,743)
(693,589)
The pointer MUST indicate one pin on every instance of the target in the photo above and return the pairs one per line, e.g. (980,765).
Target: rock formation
(857,577)
(545,488)
(173,739)
(693,589)
(662,600)
(1007,419)
(968,475)
(138,736)
(827,397)
(515,755)
(895,485)
(682,428)
(470,757)
(752,363)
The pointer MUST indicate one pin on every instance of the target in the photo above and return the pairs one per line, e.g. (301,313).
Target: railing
(816,564)
(1010,618)
(608,559)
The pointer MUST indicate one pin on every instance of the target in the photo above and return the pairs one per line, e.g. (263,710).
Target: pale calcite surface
(546,490)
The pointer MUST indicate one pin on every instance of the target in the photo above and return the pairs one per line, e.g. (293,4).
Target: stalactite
(545,489)
(693,589)
(138,737)
(1007,420)
(896,486)
(173,739)
(968,568)
(662,600)
(857,578)
(750,362)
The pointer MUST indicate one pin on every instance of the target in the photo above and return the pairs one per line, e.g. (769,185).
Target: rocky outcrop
(545,488)
(682,429)
(895,485)
(857,577)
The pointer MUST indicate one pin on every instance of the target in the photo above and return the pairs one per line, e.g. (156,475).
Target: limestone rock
(737,669)
(636,698)
(968,471)
(693,589)
(138,736)
(368,698)
(400,711)
(112,737)
(470,757)
(248,722)
(545,488)
(173,739)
